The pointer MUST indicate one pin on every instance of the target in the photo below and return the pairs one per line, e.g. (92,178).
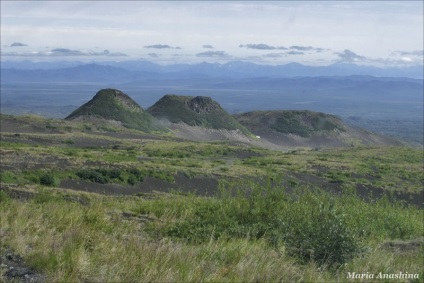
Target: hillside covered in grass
(111,104)
(194,111)
(307,128)
(302,123)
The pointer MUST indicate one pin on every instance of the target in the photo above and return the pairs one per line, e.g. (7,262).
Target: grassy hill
(307,128)
(302,123)
(111,104)
(195,111)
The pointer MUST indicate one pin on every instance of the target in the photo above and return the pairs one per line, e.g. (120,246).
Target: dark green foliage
(49,179)
(195,111)
(45,196)
(4,197)
(114,175)
(301,123)
(112,104)
(320,235)
(68,141)
(132,180)
(309,226)
(7,177)
(93,175)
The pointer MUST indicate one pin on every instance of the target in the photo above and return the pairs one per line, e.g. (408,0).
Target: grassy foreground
(263,236)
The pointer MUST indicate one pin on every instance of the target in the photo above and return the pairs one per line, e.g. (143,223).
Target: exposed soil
(364,191)
(404,246)
(203,186)
(371,193)
(12,125)
(13,191)
(14,269)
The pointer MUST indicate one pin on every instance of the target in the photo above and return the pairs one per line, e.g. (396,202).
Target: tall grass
(255,234)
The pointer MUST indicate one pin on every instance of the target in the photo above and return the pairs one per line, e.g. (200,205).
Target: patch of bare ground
(24,194)
(50,139)
(370,193)
(13,125)
(209,186)
(199,185)
(400,246)
(18,160)
(366,192)
(14,269)
(202,134)
(352,136)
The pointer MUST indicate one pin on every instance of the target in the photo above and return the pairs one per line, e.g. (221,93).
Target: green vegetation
(49,179)
(292,216)
(114,105)
(195,111)
(189,238)
(302,123)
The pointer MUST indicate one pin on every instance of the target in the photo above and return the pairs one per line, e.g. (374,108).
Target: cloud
(261,46)
(306,48)
(295,53)
(221,54)
(348,56)
(154,55)
(275,55)
(63,52)
(409,53)
(208,46)
(407,59)
(69,52)
(18,44)
(161,46)
(66,52)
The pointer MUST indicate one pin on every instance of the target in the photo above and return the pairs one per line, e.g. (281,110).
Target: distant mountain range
(132,71)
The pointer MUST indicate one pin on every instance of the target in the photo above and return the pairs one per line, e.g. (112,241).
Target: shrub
(132,180)
(308,226)
(92,175)
(318,235)
(49,179)
(7,177)
(45,196)
(4,197)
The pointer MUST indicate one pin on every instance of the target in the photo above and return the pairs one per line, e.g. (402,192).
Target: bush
(308,226)
(318,235)
(93,175)
(7,177)
(132,180)
(4,197)
(50,180)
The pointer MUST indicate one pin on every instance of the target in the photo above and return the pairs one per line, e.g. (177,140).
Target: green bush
(7,177)
(49,179)
(4,197)
(308,226)
(93,175)
(132,180)
(319,235)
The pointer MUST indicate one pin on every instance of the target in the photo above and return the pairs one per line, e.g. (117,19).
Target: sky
(374,33)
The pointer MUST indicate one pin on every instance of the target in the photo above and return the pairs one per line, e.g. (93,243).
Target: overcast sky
(277,32)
